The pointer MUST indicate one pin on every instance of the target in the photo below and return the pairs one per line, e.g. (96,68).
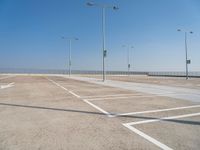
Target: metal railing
(98,73)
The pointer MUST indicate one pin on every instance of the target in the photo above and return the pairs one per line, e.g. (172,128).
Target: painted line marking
(147,137)
(7,86)
(102,96)
(74,94)
(96,99)
(98,108)
(156,110)
(71,92)
(164,118)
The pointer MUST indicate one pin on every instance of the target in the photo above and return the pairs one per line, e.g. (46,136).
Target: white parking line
(163,119)
(96,99)
(156,110)
(147,137)
(74,94)
(102,96)
(71,92)
(7,86)
(127,96)
(100,109)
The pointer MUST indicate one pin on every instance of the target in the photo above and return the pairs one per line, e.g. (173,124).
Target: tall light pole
(187,61)
(128,57)
(104,7)
(69,39)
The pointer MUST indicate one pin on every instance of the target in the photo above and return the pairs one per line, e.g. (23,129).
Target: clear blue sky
(30,32)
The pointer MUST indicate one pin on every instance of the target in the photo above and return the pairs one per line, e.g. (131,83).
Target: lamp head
(115,8)
(90,4)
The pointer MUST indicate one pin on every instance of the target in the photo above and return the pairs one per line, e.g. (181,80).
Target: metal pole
(132,58)
(128,60)
(186,57)
(69,57)
(104,43)
(103,32)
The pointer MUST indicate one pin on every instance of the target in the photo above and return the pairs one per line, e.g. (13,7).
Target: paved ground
(193,83)
(49,112)
(164,90)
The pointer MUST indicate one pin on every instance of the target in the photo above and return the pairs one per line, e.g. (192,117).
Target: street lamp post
(133,57)
(128,57)
(187,61)
(104,7)
(69,39)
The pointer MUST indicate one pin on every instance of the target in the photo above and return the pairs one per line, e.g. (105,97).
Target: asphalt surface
(180,92)
(54,112)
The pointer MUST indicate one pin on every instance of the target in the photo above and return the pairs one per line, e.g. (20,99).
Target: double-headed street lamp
(187,61)
(69,39)
(128,56)
(104,7)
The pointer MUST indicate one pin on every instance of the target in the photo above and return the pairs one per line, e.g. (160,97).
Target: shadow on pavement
(51,108)
(170,120)
(98,113)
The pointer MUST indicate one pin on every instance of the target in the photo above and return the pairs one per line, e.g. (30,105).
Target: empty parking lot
(57,112)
